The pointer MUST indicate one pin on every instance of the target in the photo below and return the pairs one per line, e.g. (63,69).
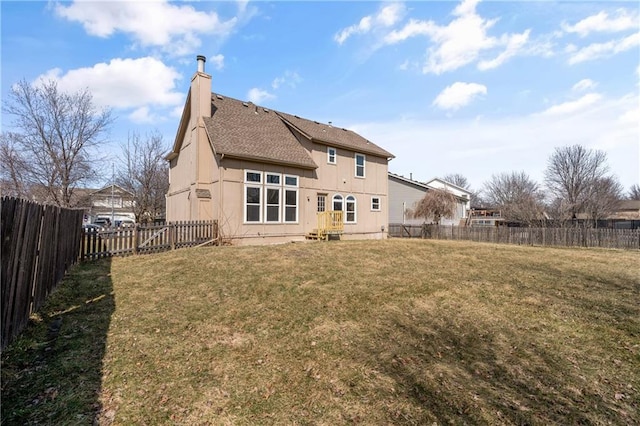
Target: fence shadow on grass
(51,374)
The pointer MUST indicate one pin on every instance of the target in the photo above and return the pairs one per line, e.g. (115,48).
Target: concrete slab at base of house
(271,239)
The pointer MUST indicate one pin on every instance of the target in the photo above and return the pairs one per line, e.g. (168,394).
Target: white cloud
(387,16)
(458,95)
(601,22)
(600,50)
(290,78)
(123,83)
(514,45)
(571,107)
(257,96)
(142,115)
(480,148)
(218,61)
(461,41)
(583,85)
(176,29)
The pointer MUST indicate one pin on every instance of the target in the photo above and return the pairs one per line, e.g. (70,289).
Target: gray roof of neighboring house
(244,130)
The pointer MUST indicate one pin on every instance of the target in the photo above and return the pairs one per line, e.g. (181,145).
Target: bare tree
(145,174)
(519,197)
(634,192)
(606,194)
(54,137)
(436,204)
(571,175)
(458,180)
(12,168)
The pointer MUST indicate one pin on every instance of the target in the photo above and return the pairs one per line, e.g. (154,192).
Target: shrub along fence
(628,239)
(146,238)
(39,244)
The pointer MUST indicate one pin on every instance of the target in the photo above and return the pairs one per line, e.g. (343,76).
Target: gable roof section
(334,136)
(427,186)
(246,131)
(409,181)
(448,184)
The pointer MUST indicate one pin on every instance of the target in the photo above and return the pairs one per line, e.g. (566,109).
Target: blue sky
(469,87)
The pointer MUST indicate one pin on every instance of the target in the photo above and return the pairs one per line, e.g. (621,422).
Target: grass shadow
(461,372)
(52,373)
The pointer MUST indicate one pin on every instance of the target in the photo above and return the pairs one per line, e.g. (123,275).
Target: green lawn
(367,332)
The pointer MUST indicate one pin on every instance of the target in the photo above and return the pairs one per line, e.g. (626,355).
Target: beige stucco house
(268,176)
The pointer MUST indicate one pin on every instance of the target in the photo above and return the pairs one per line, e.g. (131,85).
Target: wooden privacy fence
(141,239)
(39,244)
(628,239)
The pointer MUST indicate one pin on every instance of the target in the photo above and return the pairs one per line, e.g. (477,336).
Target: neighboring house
(627,209)
(267,176)
(480,217)
(404,193)
(112,202)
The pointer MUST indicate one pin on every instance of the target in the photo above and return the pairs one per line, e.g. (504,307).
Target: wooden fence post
(135,239)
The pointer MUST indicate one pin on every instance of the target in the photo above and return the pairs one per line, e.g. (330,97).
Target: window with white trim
(360,164)
(350,209)
(322,202)
(332,155)
(252,196)
(272,200)
(337,202)
(375,204)
(291,199)
(272,197)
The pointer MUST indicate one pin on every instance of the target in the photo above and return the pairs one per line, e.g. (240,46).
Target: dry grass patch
(375,332)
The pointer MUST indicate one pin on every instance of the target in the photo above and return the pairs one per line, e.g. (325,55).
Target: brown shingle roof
(334,136)
(244,130)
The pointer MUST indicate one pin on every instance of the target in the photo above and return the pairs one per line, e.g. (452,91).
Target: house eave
(264,160)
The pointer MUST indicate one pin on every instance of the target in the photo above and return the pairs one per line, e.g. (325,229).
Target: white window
(337,202)
(272,200)
(272,197)
(350,209)
(375,204)
(252,196)
(272,204)
(291,199)
(332,155)
(360,162)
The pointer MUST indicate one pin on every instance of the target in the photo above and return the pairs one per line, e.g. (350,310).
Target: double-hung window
(273,183)
(332,155)
(375,204)
(252,196)
(290,198)
(337,202)
(350,209)
(360,164)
